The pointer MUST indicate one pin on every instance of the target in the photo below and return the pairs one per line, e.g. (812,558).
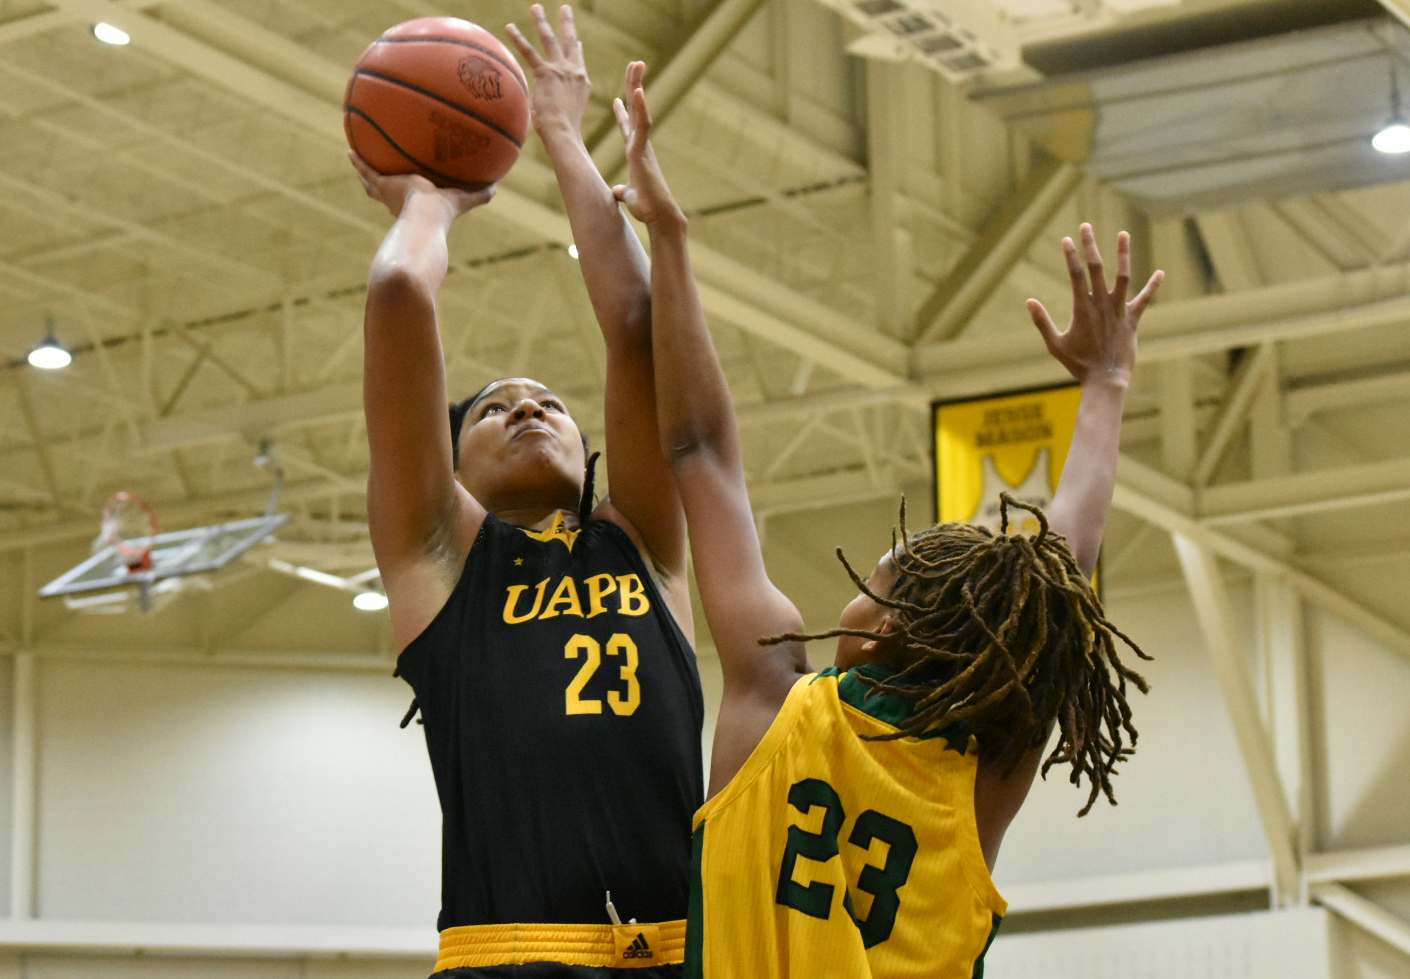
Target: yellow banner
(1012,442)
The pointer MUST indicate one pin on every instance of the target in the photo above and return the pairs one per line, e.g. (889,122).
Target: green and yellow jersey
(830,855)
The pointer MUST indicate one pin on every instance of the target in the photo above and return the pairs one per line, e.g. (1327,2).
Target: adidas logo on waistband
(638,949)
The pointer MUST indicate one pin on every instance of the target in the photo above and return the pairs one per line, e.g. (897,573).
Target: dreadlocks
(1004,635)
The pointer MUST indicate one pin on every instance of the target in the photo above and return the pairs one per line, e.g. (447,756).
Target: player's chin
(546,458)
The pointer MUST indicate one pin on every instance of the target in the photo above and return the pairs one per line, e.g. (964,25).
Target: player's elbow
(391,277)
(688,446)
(398,288)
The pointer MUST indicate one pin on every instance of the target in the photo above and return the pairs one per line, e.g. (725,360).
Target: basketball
(441,97)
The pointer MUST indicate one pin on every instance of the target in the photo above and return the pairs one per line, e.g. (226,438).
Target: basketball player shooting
(546,636)
(961,653)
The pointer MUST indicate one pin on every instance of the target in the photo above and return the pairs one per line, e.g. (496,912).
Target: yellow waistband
(629,946)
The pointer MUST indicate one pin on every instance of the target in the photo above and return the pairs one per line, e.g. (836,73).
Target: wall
(187,790)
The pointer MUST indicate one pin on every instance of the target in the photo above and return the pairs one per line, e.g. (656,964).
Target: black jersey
(563,713)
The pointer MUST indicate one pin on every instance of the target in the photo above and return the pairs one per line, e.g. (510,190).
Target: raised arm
(618,278)
(421,519)
(1099,349)
(700,439)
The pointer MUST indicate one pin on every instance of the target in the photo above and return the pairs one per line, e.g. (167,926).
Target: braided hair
(1004,635)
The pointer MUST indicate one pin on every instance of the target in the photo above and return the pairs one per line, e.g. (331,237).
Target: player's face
(864,613)
(518,444)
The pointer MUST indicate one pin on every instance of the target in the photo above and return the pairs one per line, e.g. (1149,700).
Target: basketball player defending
(962,652)
(546,639)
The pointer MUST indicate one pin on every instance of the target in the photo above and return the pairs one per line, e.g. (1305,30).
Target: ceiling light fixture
(370,601)
(1395,136)
(109,34)
(49,355)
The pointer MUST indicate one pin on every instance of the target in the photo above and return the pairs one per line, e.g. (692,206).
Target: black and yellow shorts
(551,951)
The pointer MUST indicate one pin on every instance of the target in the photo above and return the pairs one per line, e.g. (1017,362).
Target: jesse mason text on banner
(1011,442)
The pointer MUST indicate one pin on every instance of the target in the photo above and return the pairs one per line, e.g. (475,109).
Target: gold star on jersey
(558,530)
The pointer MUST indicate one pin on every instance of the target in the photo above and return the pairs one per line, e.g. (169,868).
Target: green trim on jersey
(993,933)
(889,708)
(695,915)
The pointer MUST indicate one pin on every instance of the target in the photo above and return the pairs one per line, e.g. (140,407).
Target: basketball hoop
(129,527)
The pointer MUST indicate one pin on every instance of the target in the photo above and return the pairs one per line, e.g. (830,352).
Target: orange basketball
(441,97)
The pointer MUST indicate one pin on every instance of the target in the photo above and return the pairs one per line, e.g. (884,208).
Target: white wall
(1182,798)
(1294,944)
(200,793)
(216,794)
(7,673)
(1365,742)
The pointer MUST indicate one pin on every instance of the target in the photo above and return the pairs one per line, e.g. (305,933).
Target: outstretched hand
(561,83)
(1101,337)
(395,190)
(645,193)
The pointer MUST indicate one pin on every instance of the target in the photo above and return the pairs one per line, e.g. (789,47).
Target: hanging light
(109,34)
(370,601)
(49,355)
(1395,136)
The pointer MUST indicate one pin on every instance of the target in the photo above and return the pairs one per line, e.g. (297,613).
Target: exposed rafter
(1003,241)
(1212,611)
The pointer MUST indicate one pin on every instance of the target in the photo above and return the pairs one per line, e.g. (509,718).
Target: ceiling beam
(1362,300)
(1377,863)
(150,133)
(671,79)
(822,492)
(204,61)
(1299,494)
(1399,9)
(1227,240)
(254,419)
(751,301)
(1215,617)
(758,305)
(1333,229)
(1243,387)
(1369,916)
(886,156)
(1303,401)
(1160,500)
(1004,240)
(970,366)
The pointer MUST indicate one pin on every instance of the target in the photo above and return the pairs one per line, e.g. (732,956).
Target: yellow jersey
(828,855)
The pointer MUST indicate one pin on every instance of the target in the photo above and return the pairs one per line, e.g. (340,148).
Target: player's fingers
(1042,321)
(474,198)
(624,122)
(1143,298)
(567,29)
(640,110)
(1076,271)
(1095,269)
(364,172)
(545,30)
(1123,269)
(526,50)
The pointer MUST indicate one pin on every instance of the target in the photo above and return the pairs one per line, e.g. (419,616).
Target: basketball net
(129,526)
